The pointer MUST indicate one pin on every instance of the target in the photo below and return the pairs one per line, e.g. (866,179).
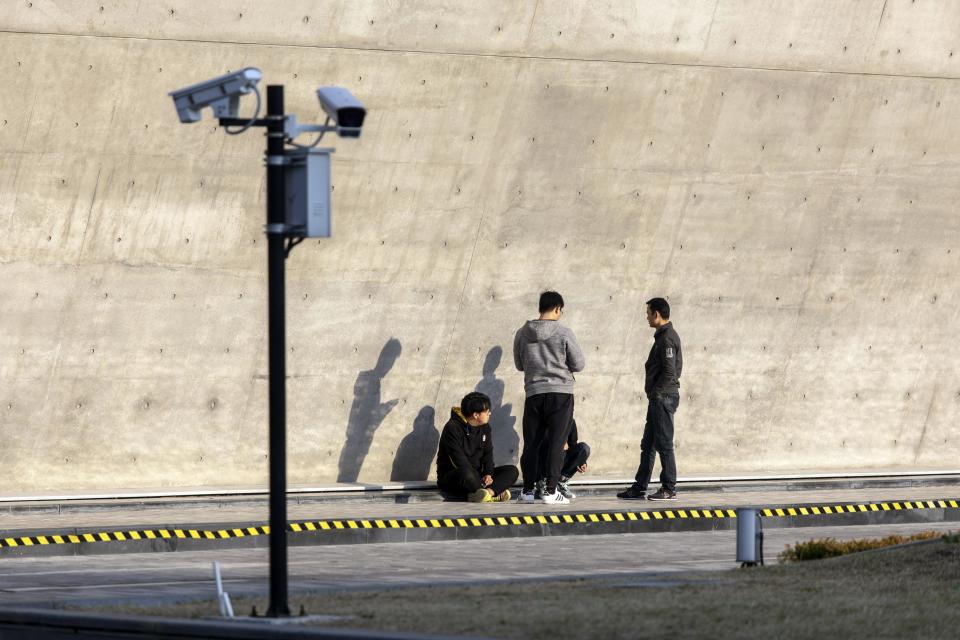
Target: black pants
(460,482)
(573,458)
(658,438)
(546,425)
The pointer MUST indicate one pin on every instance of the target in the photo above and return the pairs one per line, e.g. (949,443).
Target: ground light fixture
(749,537)
(298,207)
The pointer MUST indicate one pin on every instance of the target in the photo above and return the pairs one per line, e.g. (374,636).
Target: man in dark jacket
(663,368)
(548,354)
(465,459)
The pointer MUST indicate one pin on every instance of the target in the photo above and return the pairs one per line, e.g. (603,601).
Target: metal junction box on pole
(308,193)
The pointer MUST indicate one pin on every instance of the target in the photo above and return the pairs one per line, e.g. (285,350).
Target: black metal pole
(276,255)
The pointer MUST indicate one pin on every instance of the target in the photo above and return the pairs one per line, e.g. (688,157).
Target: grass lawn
(911,591)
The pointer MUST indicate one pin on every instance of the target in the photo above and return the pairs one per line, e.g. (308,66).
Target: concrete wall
(786,172)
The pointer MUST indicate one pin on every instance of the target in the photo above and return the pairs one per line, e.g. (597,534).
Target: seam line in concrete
(867,74)
(456,317)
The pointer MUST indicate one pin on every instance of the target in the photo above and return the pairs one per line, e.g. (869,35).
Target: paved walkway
(152,578)
(232,511)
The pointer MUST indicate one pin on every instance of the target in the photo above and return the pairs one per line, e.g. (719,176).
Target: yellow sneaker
(503,497)
(480,495)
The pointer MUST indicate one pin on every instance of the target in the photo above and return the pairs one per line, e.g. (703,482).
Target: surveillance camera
(344,109)
(222,94)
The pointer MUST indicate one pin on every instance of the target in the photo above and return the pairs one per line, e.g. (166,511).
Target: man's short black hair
(474,402)
(550,300)
(661,306)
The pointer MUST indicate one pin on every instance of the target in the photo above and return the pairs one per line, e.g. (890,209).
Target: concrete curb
(154,539)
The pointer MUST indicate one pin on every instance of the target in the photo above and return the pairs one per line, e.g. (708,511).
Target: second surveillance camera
(222,94)
(344,109)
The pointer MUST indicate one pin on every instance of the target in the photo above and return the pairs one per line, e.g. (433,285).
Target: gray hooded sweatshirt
(548,354)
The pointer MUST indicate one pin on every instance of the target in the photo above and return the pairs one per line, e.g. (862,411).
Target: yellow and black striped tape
(857,508)
(468,521)
(141,534)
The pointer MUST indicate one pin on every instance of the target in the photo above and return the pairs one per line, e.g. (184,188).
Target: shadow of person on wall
(367,412)
(506,440)
(417,449)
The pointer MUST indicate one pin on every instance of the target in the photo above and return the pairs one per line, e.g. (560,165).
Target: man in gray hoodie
(548,354)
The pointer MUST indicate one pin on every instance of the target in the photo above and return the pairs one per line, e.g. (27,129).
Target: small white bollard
(749,538)
(223,598)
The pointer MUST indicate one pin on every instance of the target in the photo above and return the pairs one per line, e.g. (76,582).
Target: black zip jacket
(665,362)
(464,446)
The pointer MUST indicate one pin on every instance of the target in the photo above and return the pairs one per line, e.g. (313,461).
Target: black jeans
(658,437)
(574,457)
(546,425)
(460,482)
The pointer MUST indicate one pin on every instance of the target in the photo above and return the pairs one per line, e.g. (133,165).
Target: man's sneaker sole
(656,498)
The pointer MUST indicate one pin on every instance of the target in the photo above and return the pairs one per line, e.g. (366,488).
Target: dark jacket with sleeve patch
(665,362)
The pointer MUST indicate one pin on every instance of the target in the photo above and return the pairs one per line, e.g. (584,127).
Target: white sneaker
(564,488)
(526,496)
(554,498)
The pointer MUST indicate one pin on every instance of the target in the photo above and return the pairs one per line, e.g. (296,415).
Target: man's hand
(582,468)
(487,480)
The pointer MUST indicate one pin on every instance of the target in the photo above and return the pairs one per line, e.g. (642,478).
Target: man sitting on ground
(574,459)
(465,459)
